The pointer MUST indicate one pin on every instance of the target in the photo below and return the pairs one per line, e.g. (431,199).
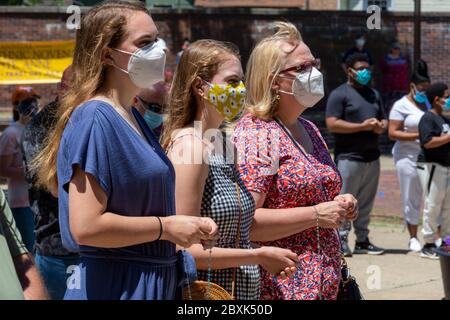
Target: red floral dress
(270,163)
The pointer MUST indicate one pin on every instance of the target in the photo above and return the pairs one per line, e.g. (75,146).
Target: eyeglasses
(154,107)
(361,68)
(305,66)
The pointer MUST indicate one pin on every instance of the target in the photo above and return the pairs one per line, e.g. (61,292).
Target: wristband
(160,228)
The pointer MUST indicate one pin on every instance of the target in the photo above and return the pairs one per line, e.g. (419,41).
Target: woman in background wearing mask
(285,164)
(404,128)
(115,185)
(207,90)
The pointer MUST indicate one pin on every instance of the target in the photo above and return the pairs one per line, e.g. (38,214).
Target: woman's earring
(276,100)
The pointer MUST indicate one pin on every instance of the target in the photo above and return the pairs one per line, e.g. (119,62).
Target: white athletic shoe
(438,242)
(414,245)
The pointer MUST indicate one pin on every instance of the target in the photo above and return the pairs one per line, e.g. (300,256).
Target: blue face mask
(420,97)
(446,106)
(153,119)
(363,77)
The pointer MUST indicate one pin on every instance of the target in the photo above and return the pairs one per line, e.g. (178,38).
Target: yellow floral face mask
(228,99)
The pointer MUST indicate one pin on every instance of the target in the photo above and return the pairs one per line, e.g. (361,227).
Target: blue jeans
(24,218)
(53,270)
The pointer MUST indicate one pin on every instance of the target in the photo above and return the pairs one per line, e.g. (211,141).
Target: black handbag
(348,287)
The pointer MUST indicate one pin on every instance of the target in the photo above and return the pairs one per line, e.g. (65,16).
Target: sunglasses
(154,107)
(305,66)
(361,68)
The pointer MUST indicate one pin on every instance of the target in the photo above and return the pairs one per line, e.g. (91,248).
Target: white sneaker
(414,245)
(438,242)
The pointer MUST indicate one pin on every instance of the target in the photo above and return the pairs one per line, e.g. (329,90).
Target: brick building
(395,5)
(328,33)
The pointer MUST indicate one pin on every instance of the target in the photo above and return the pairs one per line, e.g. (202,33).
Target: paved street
(402,275)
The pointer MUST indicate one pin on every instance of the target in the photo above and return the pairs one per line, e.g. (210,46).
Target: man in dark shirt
(434,168)
(356,116)
(52,258)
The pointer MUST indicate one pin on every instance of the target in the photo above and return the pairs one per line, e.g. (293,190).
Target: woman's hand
(331,214)
(187,230)
(277,261)
(350,203)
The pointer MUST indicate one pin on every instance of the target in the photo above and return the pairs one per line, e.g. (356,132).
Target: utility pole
(417,31)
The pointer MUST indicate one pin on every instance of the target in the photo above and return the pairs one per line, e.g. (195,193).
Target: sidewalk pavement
(397,274)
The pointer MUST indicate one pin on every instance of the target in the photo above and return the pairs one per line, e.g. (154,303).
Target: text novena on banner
(34,62)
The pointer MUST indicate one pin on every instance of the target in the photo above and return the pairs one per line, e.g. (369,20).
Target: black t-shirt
(356,106)
(433,125)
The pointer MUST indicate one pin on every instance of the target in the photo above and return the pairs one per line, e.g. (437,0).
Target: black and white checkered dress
(220,203)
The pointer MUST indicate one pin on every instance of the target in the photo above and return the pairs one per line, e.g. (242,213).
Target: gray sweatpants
(361,180)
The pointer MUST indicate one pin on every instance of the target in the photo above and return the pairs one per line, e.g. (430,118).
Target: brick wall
(251,3)
(327,33)
(322,5)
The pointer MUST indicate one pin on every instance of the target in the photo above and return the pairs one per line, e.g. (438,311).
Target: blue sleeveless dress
(139,180)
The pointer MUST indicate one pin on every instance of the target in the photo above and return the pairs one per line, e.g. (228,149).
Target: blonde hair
(103,26)
(201,60)
(265,63)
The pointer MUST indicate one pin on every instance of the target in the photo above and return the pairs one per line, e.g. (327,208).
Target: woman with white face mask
(285,164)
(114,182)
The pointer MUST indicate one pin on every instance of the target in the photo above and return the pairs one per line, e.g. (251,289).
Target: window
(383,4)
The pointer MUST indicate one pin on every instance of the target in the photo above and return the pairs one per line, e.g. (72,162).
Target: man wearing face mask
(149,103)
(356,116)
(433,167)
(359,47)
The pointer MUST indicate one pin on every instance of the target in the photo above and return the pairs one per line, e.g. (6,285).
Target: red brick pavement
(388,202)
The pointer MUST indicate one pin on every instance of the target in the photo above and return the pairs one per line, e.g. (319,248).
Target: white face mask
(360,43)
(146,65)
(307,88)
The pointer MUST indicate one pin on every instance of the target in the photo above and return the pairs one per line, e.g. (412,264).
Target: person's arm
(189,187)
(29,277)
(437,142)
(431,133)
(8,170)
(8,150)
(336,125)
(275,224)
(335,111)
(396,132)
(92,226)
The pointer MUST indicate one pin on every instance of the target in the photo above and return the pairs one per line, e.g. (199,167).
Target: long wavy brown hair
(103,26)
(201,60)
